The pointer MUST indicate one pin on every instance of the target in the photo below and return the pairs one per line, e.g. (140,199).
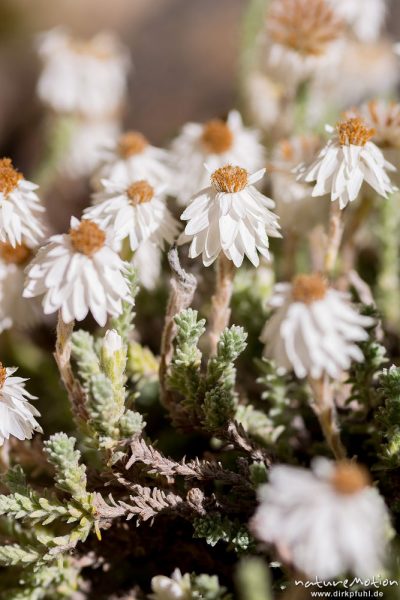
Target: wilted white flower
(134,210)
(86,144)
(296,208)
(314,329)
(20,207)
(147,262)
(132,158)
(366,17)
(326,522)
(301,39)
(17,415)
(87,77)
(215,143)
(231,216)
(14,309)
(79,272)
(176,587)
(347,160)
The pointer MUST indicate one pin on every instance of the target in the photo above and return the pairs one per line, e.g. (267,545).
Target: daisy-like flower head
(365,17)
(17,415)
(134,210)
(302,36)
(14,309)
(87,77)
(348,159)
(79,272)
(314,329)
(176,587)
(215,143)
(20,207)
(131,158)
(325,522)
(231,216)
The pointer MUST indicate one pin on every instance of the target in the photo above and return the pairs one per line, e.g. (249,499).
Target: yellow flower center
(217,137)
(9,177)
(230,179)
(88,238)
(306,26)
(131,143)
(3,375)
(309,288)
(354,131)
(16,256)
(140,192)
(350,478)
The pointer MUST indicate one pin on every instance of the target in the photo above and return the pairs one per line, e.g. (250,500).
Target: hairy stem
(220,302)
(324,408)
(183,286)
(335,234)
(62,356)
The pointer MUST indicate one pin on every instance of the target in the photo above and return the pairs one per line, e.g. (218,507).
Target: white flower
(79,272)
(14,309)
(314,328)
(147,262)
(296,208)
(112,342)
(19,207)
(86,145)
(326,522)
(302,38)
(85,77)
(176,587)
(366,17)
(347,160)
(17,416)
(132,158)
(134,209)
(231,216)
(215,143)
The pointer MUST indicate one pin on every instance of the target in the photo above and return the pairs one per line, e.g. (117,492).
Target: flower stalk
(220,302)
(324,409)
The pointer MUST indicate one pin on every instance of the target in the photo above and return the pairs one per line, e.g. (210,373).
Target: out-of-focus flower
(231,216)
(380,70)
(87,77)
(17,415)
(20,207)
(296,208)
(85,148)
(314,329)
(14,309)
(263,98)
(384,117)
(134,209)
(301,38)
(215,143)
(133,158)
(176,587)
(365,17)
(147,262)
(348,159)
(79,272)
(326,522)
